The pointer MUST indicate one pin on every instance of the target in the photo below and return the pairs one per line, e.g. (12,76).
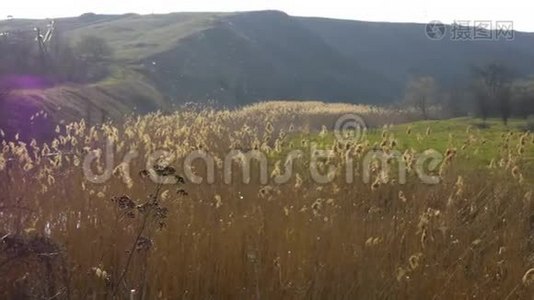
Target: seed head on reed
(286,211)
(317,206)
(450,153)
(298,181)
(516,172)
(376,184)
(402,197)
(3,162)
(414,261)
(101,273)
(165,195)
(218,201)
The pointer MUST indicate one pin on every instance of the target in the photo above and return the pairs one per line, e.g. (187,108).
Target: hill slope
(400,51)
(239,58)
(258,56)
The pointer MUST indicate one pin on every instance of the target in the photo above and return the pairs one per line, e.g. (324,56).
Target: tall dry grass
(471,236)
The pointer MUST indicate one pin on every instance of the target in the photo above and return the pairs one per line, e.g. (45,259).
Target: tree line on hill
(493,91)
(48,58)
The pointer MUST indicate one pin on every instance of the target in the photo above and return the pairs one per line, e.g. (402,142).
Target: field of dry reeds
(123,235)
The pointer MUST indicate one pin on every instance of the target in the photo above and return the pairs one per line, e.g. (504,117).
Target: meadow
(124,235)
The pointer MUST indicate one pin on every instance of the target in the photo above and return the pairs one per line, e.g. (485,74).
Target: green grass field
(477,143)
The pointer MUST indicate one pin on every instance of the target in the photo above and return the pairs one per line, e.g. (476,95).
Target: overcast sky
(420,11)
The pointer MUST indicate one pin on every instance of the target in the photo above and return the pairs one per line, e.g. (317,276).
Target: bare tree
(421,94)
(493,87)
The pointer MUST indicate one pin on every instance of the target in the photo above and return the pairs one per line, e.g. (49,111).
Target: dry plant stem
(134,245)
(512,292)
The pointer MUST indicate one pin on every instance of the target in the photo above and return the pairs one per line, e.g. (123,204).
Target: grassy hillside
(136,37)
(261,56)
(240,58)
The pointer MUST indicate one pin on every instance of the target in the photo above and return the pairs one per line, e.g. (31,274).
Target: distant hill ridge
(240,58)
